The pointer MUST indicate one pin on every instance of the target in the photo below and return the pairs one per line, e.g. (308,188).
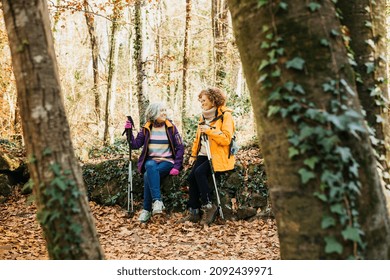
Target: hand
(174,172)
(191,160)
(204,128)
(128,124)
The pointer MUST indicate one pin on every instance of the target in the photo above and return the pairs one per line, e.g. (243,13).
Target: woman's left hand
(204,128)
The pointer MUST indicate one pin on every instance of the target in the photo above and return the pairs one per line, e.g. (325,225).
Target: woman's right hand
(191,160)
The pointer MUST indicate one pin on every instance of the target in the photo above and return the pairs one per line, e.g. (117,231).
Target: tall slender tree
(219,16)
(63,209)
(112,58)
(324,185)
(186,56)
(139,60)
(90,20)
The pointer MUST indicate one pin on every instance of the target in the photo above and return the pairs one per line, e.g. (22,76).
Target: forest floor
(125,238)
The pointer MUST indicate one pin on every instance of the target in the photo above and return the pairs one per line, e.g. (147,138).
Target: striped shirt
(159,149)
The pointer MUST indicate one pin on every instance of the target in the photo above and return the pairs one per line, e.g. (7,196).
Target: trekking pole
(208,151)
(129,132)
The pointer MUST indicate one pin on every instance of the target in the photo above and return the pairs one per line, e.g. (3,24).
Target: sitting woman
(162,154)
(216,123)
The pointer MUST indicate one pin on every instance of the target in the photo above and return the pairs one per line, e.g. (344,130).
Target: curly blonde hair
(215,95)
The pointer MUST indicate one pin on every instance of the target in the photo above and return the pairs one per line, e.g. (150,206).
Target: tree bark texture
(186,55)
(366,26)
(90,21)
(294,59)
(63,209)
(219,16)
(139,62)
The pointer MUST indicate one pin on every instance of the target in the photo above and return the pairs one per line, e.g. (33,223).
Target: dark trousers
(199,190)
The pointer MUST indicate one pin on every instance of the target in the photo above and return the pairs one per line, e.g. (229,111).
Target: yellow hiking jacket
(220,137)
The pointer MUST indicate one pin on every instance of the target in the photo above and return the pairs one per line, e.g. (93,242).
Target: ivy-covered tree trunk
(139,61)
(324,186)
(366,26)
(186,56)
(219,15)
(90,20)
(63,209)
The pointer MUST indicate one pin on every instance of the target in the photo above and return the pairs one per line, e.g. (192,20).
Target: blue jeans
(152,178)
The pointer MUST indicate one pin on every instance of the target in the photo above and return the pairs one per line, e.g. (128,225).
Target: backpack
(233,146)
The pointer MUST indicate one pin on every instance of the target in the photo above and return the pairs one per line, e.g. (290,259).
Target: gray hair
(154,110)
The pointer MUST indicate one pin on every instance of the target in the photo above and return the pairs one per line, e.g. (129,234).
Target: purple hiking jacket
(143,138)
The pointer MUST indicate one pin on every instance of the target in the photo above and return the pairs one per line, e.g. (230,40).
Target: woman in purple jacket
(162,154)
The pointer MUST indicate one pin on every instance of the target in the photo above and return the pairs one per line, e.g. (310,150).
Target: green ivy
(315,139)
(58,197)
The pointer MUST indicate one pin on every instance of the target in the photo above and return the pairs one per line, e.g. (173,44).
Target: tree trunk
(111,73)
(366,23)
(219,15)
(186,55)
(63,209)
(325,189)
(90,20)
(138,57)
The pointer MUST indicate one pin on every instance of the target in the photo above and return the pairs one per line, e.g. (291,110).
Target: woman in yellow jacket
(217,123)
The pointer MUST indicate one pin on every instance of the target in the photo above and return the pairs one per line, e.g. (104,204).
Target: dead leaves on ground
(162,238)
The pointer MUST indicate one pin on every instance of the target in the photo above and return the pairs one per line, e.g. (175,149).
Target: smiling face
(205,102)
(163,115)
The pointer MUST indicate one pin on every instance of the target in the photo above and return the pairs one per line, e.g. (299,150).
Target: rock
(258,201)
(5,186)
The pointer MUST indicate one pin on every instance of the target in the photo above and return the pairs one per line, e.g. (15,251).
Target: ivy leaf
(58,182)
(368,24)
(262,78)
(347,87)
(311,162)
(272,110)
(325,42)
(321,196)
(351,233)
(56,168)
(299,88)
(296,63)
(337,208)
(334,33)
(276,73)
(370,67)
(314,6)
(283,5)
(354,169)
(292,152)
(264,45)
(264,63)
(332,246)
(47,151)
(280,51)
(275,95)
(261,3)
(345,153)
(327,222)
(371,43)
(289,85)
(306,175)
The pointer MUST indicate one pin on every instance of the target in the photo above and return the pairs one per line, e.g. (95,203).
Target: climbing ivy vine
(58,197)
(316,139)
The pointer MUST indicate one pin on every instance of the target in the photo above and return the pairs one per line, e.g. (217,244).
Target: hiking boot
(209,214)
(193,216)
(157,207)
(144,216)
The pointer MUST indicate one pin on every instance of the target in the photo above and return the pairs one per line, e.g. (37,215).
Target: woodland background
(307,82)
